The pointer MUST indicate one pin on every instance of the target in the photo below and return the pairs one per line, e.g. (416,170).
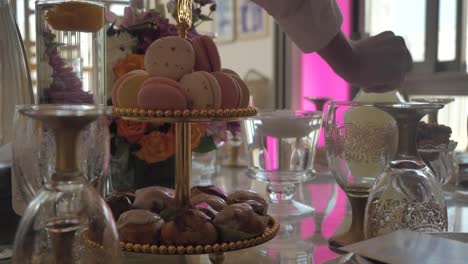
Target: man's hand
(376,64)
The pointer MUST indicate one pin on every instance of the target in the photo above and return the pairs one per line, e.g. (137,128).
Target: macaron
(115,89)
(229,71)
(230,90)
(206,54)
(245,92)
(128,89)
(203,89)
(161,94)
(170,57)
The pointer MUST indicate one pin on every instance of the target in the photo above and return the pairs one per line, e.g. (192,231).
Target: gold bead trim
(269,234)
(190,115)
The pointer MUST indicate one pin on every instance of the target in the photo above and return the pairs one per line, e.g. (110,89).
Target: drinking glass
(281,148)
(70,48)
(360,140)
(406,195)
(34,154)
(67,221)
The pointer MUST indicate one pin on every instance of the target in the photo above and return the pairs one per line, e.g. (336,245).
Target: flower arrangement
(146,150)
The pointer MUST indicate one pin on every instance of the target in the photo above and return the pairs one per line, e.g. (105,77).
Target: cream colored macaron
(170,57)
(127,92)
(203,90)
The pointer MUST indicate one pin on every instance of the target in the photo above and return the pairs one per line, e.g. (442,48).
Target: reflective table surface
(304,239)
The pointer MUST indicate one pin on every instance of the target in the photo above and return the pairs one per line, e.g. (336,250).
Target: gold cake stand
(183,120)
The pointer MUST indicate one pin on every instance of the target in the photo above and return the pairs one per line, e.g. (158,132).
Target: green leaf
(206,145)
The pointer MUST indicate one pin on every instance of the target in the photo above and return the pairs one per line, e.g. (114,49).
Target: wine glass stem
(358,207)
(280,193)
(407,132)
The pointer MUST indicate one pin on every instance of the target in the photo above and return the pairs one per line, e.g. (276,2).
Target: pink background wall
(318,79)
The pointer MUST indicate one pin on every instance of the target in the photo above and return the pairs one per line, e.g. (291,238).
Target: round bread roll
(208,189)
(238,222)
(154,198)
(243,195)
(214,201)
(189,227)
(140,226)
(119,203)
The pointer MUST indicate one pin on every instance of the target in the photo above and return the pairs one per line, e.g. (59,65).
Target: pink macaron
(230,90)
(207,57)
(159,93)
(115,89)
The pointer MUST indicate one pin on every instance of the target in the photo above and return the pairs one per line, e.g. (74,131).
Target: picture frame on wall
(224,21)
(252,22)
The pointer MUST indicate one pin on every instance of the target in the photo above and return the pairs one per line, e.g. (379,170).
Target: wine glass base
(290,209)
(344,239)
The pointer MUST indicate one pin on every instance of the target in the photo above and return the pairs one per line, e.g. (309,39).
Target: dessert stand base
(215,251)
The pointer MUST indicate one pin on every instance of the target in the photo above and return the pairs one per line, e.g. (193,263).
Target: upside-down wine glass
(406,195)
(67,221)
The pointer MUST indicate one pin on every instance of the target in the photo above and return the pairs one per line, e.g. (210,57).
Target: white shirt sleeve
(311,24)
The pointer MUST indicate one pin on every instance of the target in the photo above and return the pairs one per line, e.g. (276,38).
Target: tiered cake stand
(182,120)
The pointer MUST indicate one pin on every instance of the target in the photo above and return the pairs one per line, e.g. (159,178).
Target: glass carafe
(67,221)
(406,195)
(71,38)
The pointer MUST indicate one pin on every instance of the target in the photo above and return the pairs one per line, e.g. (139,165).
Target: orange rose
(197,133)
(155,147)
(130,130)
(76,16)
(130,63)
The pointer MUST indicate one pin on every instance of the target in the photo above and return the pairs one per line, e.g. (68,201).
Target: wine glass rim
(410,105)
(287,114)
(350,103)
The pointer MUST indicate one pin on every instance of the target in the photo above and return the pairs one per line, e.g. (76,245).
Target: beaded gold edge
(183,115)
(268,235)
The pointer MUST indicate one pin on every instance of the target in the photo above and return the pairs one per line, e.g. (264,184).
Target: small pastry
(189,227)
(257,207)
(162,94)
(207,209)
(245,92)
(229,71)
(203,89)
(76,16)
(230,90)
(206,54)
(127,92)
(242,196)
(433,134)
(115,89)
(119,203)
(238,222)
(209,189)
(171,57)
(140,226)
(154,198)
(214,201)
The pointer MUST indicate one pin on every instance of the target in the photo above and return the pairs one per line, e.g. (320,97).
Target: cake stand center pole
(183,163)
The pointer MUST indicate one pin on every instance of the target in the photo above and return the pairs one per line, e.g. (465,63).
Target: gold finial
(184,17)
